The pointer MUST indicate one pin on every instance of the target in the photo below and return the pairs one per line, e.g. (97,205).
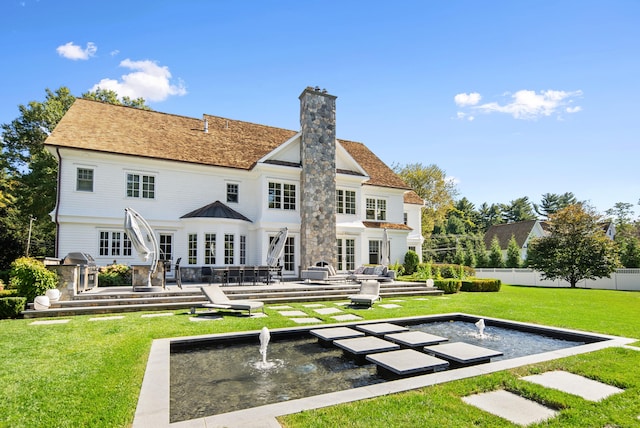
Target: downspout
(55,217)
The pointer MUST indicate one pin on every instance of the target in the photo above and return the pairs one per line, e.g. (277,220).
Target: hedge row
(11,307)
(478,284)
(449,286)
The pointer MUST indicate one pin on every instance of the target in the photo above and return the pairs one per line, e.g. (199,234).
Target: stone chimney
(318,177)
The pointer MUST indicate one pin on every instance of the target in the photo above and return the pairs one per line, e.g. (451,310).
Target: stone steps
(122,299)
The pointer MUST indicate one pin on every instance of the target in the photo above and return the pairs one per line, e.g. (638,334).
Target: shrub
(114,275)
(411,261)
(11,307)
(8,293)
(397,267)
(31,278)
(453,271)
(449,286)
(478,284)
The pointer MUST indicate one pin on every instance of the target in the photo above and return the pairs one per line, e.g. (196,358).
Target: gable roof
(520,230)
(102,127)
(216,210)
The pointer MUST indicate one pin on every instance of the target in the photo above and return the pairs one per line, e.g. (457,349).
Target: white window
(345,201)
(282,196)
(346,254)
(228,249)
(209,248)
(84,181)
(376,209)
(374,252)
(243,250)
(232,192)
(141,186)
(192,251)
(113,243)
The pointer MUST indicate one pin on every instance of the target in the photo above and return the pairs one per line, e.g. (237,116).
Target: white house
(522,231)
(215,190)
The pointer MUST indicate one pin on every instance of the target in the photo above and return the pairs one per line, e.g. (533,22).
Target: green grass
(89,373)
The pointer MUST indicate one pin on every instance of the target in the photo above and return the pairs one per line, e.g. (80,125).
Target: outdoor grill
(88,275)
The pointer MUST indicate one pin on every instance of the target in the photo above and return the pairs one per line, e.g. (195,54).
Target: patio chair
(219,300)
(234,275)
(368,294)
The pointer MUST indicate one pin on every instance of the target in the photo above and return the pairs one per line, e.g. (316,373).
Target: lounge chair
(219,300)
(368,294)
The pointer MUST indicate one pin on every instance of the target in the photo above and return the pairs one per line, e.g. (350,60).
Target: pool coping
(154,400)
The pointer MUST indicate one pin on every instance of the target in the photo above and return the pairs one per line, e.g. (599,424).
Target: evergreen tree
(513,254)
(495,254)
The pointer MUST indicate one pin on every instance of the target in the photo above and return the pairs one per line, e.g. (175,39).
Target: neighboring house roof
(411,197)
(216,210)
(520,230)
(385,225)
(102,127)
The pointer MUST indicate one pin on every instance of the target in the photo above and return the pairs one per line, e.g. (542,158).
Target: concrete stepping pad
(279,307)
(462,353)
(327,335)
(164,314)
(117,317)
(570,383)
(511,407)
(414,339)
(389,305)
(327,311)
(406,362)
(307,320)
(201,318)
(382,328)
(359,347)
(293,313)
(49,322)
(314,305)
(347,317)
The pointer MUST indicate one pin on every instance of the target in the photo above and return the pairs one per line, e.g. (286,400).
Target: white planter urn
(53,295)
(41,303)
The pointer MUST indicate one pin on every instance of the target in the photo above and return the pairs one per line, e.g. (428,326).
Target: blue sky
(510,98)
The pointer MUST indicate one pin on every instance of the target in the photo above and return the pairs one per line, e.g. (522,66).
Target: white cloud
(75,52)
(147,80)
(467,99)
(527,104)
(114,52)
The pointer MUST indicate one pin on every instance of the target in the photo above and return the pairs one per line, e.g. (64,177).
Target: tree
(488,216)
(432,185)
(551,203)
(513,254)
(111,97)
(495,254)
(29,172)
(575,249)
(518,210)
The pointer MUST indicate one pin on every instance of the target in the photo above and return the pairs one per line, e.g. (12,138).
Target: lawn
(88,373)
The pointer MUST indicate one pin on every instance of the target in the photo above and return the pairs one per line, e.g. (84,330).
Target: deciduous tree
(575,249)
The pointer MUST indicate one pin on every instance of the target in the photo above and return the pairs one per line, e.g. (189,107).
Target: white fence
(621,279)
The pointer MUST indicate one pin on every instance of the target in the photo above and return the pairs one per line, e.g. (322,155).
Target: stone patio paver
(511,407)
(389,305)
(279,307)
(314,305)
(405,362)
(570,383)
